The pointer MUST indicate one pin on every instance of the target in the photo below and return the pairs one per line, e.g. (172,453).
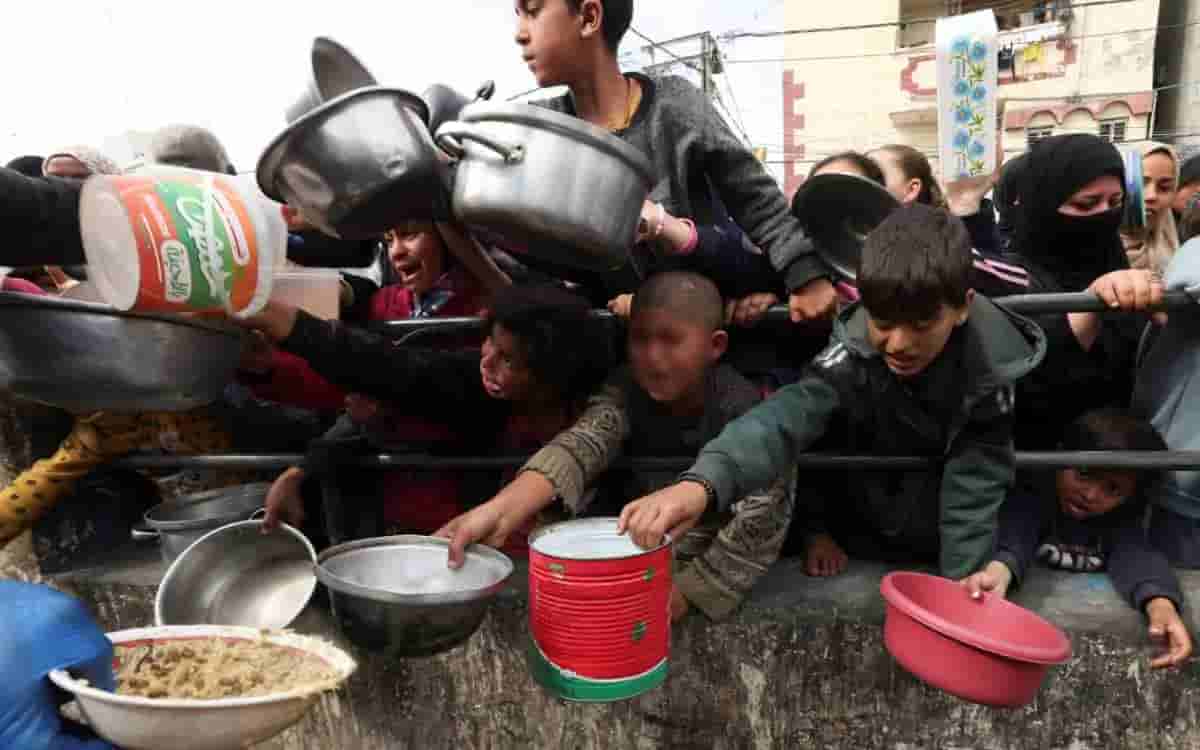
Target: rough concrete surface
(803,666)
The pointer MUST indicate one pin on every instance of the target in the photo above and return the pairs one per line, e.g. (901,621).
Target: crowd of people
(912,358)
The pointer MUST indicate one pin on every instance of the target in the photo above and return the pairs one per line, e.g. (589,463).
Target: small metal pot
(838,211)
(445,104)
(558,187)
(396,595)
(335,71)
(358,165)
(180,522)
(86,357)
(237,575)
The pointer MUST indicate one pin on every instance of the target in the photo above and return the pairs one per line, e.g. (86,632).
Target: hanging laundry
(1033,52)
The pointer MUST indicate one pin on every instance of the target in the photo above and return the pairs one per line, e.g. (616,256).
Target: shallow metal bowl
(396,595)
(236,575)
(86,357)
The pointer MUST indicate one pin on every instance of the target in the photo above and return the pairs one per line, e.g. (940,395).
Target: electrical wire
(653,43)
(887,24)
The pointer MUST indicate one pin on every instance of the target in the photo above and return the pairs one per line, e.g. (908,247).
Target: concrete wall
(864,90)
(803,666)
(1177,61)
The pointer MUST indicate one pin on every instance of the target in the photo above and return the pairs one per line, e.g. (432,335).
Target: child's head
(849,162)
(908,175)
(1085,493)
(675,336)
(560,39)
(543,345)
(915,283)
(417,255)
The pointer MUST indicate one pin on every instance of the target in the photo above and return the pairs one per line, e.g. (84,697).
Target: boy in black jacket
(1086,520)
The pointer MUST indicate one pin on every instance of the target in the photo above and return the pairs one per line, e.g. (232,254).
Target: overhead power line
(662,47)
(911,50)
(888,24)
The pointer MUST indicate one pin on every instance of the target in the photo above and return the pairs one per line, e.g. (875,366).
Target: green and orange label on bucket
(196,243)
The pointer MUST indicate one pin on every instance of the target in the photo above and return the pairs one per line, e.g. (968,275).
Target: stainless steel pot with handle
(179,522)
(551,184)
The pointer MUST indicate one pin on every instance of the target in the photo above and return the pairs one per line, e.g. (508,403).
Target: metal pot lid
(268,163)
(206,509)
(61,304)
(411,569)
(543,118)
(838,211)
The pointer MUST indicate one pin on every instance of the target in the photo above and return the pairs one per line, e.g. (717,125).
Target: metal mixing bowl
(236,575)
(86,357)
(395,594)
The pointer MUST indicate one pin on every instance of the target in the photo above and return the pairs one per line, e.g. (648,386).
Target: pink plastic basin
(988,650)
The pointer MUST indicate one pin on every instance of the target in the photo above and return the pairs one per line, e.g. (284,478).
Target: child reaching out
(1086,520)
(674,396)
(921,366)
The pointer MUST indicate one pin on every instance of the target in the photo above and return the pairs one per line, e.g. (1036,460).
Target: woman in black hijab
(1070,192)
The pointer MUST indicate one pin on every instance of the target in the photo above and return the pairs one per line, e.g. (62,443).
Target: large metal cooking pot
(237,575)
(358,165)
(86,357)
(179,522)
(396,595)
(838,211)
(554,185)
(445,104)
(335,71)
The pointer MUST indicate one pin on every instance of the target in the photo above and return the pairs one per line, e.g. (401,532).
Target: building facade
(1064,67)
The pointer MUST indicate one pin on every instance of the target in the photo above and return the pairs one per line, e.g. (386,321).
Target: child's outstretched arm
(1144,578)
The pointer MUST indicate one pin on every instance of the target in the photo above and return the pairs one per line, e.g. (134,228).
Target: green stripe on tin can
(572,687)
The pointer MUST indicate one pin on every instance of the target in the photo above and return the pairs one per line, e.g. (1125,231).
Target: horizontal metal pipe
(1024,304)
(813,461)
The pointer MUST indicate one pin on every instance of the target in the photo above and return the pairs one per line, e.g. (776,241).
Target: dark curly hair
(566,348)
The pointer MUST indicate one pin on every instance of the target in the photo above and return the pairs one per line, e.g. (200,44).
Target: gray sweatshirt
(1167,391)
(694,153)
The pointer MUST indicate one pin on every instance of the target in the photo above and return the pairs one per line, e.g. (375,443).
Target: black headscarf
(1073,250)
(1005,194)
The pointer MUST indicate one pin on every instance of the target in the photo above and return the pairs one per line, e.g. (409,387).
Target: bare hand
(621,306)
(994,578)
(679,605)
(1129,290)
(275,320)
(824,557)
(295,220)
(1168,629)
(965,196)
(816,300)
(652,221)
(257,354)
(749,310)
(362,409)
(673,511)
(485,524)
(284,503)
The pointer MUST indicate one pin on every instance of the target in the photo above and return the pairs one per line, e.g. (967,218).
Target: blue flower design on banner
(969,58)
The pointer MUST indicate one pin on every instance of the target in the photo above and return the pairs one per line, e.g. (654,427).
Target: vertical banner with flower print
(967,67)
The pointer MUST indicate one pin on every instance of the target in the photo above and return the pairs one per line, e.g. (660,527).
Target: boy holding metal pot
(574,43)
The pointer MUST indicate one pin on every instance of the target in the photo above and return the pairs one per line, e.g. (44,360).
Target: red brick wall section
(793,152)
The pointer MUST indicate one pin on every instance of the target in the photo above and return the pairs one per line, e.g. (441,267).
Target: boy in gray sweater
(574,43)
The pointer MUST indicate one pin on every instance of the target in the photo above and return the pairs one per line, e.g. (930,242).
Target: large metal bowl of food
(550,184)
(358,165)
(395,595)
(86,357)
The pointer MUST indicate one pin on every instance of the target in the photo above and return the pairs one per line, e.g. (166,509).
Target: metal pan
(335,71)
(86,357)
(838,211)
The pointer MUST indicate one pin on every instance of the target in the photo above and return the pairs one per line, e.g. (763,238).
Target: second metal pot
(553,185)
(179,522)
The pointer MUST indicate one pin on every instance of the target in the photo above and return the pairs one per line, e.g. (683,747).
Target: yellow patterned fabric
(94,440)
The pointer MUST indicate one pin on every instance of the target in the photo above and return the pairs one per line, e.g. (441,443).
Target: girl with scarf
(1066,215)
(1155,245)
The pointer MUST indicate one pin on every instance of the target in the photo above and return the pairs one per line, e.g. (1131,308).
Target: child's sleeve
(1139,572)
(759,447)
(978,474)
(577,456)
(1022,518)
(743,551)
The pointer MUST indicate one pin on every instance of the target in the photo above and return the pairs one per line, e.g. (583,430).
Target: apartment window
(1113,131)
(1033,135)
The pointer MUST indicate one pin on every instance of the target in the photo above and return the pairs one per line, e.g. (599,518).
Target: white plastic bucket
(179,240)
